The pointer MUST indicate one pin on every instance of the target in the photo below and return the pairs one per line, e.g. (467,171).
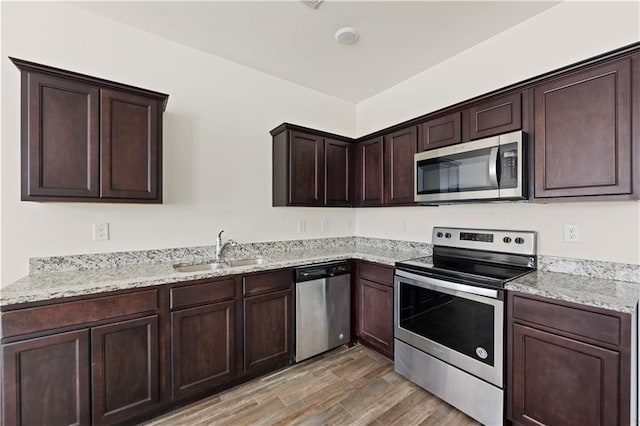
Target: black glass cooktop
(465,271)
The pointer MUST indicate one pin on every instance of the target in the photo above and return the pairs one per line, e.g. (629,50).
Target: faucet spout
(220,246)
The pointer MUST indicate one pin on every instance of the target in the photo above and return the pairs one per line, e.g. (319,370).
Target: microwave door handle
(493,167)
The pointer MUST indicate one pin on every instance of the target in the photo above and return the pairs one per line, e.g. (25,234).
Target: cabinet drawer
(202,293)
(59,315)
(379,273)
(271,281)
(592,325)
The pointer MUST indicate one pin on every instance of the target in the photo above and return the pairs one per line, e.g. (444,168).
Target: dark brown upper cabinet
(583,132)
(311,168)
(370,173)
(399,149)
(441,131)
(338,172)
(580,138)
(495,116)
(88,139)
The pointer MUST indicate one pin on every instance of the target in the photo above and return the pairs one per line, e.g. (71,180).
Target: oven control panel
(499,240)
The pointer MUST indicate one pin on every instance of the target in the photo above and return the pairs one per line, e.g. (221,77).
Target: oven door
(459,324)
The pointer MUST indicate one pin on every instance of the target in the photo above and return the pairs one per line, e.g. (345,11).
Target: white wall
(217,150)
(217,147)
(557,37)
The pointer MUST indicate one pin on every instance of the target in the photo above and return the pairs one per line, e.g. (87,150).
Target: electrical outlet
(403,225)
(571,233)
(324,225)
(302,226)
(100,231)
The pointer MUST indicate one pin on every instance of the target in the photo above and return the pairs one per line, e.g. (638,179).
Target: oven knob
(439,234)
(519,240)
(447,235)
(506,240)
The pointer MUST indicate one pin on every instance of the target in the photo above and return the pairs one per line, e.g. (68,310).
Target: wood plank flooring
(348,386)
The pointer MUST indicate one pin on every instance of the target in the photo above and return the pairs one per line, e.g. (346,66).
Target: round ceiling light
(346,35)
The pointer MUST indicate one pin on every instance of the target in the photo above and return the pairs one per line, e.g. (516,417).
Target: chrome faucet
(220,246)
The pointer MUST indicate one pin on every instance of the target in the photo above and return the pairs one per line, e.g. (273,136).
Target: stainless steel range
(449,316)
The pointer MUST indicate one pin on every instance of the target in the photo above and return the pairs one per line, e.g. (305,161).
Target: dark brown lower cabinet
(376,315)
(203,347)
(561,381)
(46,380)
(124,369)
(567,364)
(268,334)
(374,306)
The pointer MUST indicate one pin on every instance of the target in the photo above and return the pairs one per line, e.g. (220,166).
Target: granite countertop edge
(620,296)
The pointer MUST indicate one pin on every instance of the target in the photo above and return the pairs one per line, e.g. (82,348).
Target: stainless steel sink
(214,266)
(245,262)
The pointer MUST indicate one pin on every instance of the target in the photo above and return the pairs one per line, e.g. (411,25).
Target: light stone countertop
(40,286)
(620,296)
(606,285)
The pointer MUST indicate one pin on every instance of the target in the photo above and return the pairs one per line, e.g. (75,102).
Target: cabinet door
(583,133)
(338,170)
(441,131)
(306,169)
(46,380)
(60,139)
(124,369)
(268,330)
(203,347)
(560,381)
(131,146)
(399,149)
(375,315)
(370,173)
(496,116)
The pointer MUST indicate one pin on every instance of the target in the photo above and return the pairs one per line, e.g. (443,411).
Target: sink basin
(215,266)
(245,262)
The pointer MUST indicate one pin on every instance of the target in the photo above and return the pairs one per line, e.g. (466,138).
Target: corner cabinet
(374,306)
(311,168)
(567,364)
(88,139)
(384,169)
(369,180)
(583,132)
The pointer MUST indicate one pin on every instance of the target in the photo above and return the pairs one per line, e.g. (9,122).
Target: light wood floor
(348,386)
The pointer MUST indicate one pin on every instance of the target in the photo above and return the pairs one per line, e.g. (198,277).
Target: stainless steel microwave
(487,169)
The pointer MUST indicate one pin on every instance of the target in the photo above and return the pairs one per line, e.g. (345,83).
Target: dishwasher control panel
(324,270)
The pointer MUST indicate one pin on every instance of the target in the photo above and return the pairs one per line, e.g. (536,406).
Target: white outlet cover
(324,225)
(101,231)
(302,226)
(571,233)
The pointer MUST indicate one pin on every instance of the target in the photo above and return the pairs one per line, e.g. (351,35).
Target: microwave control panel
(509,166)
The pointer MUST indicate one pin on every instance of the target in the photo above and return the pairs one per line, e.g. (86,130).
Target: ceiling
(292,41)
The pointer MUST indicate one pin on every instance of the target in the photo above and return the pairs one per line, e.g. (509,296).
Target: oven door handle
(439,285)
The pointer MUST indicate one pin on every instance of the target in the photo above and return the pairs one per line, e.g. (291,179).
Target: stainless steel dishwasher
(323,301)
